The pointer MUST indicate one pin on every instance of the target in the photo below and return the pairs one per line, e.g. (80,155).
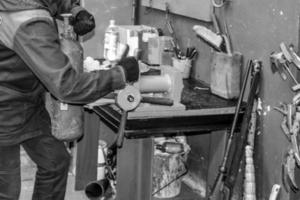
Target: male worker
(32,62)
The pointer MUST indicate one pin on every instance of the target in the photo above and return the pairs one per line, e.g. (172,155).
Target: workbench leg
(87,152)
(134,169)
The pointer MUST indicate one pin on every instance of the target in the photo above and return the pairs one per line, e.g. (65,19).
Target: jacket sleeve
(37,43)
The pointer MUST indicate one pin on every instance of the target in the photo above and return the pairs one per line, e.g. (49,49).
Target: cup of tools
(183,65)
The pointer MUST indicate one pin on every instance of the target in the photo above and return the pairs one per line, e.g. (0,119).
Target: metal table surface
(204,112)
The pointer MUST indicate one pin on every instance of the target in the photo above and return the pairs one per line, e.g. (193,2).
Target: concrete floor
(28,173)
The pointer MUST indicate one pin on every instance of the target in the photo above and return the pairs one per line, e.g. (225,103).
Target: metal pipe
(96,189)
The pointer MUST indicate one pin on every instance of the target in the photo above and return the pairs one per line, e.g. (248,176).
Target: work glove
(83,23)
(131,68)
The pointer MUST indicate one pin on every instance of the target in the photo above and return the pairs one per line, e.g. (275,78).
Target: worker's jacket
(32,62)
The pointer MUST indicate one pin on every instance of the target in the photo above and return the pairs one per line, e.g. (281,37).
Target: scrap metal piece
(274,58)
(294,133)
(274,192)
(296,99)
(279,63)
(296,88)
(286,52)
(295,57)
(283,109)
(289,172)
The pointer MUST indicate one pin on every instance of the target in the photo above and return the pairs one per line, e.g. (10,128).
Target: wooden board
(198,9)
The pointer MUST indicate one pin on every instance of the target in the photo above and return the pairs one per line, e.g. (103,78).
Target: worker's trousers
(52,160)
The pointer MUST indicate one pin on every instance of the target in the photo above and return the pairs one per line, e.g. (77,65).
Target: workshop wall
(257,28)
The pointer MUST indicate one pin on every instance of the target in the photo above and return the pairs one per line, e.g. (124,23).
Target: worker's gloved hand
(131,68)
(84,23)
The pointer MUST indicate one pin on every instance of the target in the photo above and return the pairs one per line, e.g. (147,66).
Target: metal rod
(121,132)
(218,182)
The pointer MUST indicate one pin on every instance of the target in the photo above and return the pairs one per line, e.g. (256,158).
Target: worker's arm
(37,43)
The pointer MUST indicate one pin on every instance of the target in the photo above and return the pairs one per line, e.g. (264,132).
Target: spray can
(111,40)
(67,119)
(102,152)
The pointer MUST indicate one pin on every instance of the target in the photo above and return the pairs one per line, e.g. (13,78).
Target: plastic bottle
(111,40)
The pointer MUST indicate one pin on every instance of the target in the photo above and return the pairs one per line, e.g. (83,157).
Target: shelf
(197,9)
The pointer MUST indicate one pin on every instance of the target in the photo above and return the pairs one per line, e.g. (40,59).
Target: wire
(175,179)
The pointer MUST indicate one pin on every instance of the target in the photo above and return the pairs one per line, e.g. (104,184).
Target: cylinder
(102,151)
(96,189)
(67,119)
(155,84)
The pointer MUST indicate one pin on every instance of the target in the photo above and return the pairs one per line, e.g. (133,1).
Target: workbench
(205,113)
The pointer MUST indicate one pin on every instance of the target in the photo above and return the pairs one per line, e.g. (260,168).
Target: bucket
(168,170)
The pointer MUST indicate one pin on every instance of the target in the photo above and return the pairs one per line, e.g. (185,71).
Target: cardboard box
(225,74)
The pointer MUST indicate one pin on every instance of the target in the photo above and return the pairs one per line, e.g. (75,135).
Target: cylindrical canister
(102,152)
(67,119)
(155,83)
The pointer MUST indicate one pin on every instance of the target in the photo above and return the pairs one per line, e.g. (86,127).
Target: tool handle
(215,23)
(193,54)
(188,51)
(274,192)
(121,131)
(227,45)
(158,101)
